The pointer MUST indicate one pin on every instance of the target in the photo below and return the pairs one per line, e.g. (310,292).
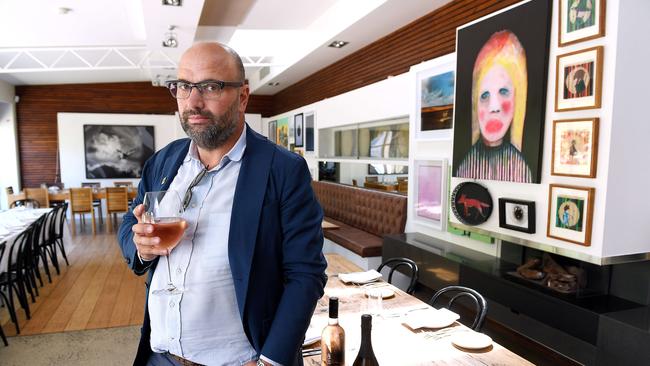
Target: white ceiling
(121,40)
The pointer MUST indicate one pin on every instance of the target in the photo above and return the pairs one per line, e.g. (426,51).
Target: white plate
(360,277)
(431,318)
(384,292)
(471,340)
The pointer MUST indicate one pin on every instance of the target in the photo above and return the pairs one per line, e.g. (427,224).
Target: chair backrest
(461,291)
(403,186)
(27,202)
(81,200)
(3,246)
(401,179)
(59,221)
(393,263)
(372,179)
(91,185)
(39,194)
(117,199)
(47,231)
(123,184)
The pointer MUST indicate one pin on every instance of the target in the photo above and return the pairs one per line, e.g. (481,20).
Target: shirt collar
(235,154)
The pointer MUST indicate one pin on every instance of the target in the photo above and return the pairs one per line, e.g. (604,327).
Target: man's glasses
(188,194)
(209,89)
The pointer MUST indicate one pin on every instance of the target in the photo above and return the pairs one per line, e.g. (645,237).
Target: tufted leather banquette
(364,216)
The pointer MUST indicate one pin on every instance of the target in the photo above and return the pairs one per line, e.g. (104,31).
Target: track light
(170,38)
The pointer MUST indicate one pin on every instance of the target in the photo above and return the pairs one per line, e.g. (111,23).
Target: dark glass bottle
(333,338)
(366,356)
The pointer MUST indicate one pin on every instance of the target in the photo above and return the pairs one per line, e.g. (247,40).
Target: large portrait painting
(501,94)
(114,151)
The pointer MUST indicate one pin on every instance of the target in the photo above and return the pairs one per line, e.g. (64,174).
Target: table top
(394,342)
(13,222)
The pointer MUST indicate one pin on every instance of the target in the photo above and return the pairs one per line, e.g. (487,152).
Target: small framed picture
(434,112)
(430,193)
(580,20)
(309,131)
(570,213)
(299,130)
(517,215)
(575,147)
(578,80)
(273,132)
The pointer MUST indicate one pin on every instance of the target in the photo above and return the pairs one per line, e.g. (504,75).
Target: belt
(183,362)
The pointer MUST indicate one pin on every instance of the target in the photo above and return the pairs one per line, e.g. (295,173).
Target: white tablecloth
(12,223)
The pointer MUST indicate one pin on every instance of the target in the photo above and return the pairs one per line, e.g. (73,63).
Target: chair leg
(46,267)
(110,222)
(74,230)
(92,217)
(59,242)
(4,338)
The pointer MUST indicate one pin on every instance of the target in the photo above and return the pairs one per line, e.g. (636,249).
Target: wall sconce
(172,2)
(170,38)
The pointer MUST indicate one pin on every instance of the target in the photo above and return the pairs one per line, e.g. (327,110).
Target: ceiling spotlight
(64,10)
(338,44)
(170,38)
(273,83)
(172,2)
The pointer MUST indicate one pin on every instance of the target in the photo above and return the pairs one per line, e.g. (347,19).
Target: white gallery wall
(9,165)
(620,218)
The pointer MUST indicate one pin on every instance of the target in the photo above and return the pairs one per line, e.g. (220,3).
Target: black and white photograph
(517,215)
(117,151)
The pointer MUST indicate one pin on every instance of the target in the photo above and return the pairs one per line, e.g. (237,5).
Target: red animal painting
(472,203)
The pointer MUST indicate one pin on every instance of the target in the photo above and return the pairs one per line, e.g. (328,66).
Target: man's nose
(195,100)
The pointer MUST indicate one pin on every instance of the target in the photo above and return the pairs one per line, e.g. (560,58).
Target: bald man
(250,263)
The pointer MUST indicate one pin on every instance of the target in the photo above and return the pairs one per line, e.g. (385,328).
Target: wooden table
(390,187)
(64,195)
(393,342)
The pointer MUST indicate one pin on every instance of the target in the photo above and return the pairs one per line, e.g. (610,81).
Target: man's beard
(214,134)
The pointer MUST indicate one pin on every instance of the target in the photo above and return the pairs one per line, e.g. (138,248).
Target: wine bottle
(333,338)
(366,356)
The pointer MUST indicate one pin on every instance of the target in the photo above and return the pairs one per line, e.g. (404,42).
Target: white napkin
(314,331)
(360,277)
(430,318)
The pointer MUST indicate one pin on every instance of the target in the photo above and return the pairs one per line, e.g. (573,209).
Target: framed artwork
(283,132)
(299,130)
(580,20)
(435,99)
(570,213)
(309,131)
(517,215)
(575,147)
(500,95)
(273,132)
(430,193)
(117,151)
(471,203)
(578,80)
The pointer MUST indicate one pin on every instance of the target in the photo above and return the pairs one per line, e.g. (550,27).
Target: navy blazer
(274,246)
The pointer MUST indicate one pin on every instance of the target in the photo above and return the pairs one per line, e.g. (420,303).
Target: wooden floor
(97,290)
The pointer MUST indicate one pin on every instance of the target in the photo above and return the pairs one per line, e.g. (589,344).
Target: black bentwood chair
(3,246)
(461,291)
(393,263)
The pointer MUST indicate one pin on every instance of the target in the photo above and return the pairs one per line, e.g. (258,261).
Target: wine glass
(163,210)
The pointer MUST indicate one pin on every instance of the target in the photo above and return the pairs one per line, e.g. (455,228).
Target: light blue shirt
(203,323)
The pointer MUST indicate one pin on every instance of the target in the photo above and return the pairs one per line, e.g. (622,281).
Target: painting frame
(310,131)
(506,221)
(509,47)
(113,151)
(593,31)
(563,166)
(299,129)
(436,185)
(442,71)
(575,224)
(574,62)
(273,131)
(283,132)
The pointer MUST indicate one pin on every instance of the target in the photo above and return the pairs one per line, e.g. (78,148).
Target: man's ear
(243,97)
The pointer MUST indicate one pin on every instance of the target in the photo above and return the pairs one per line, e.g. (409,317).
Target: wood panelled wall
(428,37)
(37,121)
